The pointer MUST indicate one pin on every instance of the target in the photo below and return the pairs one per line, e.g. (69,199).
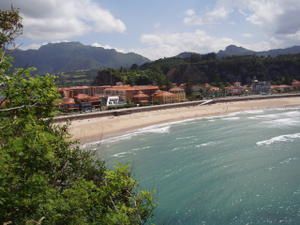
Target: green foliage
(11,26)
(44,177)
(208,68)
(132,77)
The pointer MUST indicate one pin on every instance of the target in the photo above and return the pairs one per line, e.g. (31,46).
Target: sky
(160,28)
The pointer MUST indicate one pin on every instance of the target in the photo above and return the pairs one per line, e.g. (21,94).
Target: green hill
(72,56)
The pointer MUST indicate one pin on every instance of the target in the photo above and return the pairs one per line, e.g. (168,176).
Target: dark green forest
(194,69)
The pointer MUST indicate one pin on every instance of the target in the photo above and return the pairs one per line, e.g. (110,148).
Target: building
(179,92)
(164,97)
(281,88)
(214,89)
(126,92)
(69,105)
(235,89)
(71,92)
(84,98)
(141,98)
(296,84)
(261,87)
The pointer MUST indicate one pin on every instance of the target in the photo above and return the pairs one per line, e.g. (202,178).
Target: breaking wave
(281,138)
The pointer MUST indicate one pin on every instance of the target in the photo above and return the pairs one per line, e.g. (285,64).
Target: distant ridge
(185,55)
(72,56)
(233,50)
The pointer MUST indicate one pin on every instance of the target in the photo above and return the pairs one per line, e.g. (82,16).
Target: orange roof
(176,89)
(82,88)
(296,82)
(281,86)
(74,88)
(132,88)
(214,88)
(163,94)
(82,96)
(94,98)
(141,95)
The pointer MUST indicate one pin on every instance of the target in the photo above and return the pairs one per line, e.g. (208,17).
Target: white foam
(254,111)
(140,149)
(231,118)
(282,122)
(281,138)
(165,127)
(121,154)
(268,116)
(154,129)
(292,114)
(287,161)
(185,138)
(206,144)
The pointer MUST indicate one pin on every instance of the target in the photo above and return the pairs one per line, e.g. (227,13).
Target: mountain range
(233,50)
(72,56)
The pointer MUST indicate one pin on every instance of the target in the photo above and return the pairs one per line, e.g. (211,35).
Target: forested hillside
(207,68)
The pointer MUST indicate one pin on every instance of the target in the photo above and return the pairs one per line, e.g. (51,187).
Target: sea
(237,169)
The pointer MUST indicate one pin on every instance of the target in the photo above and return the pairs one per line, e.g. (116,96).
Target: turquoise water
(239,169)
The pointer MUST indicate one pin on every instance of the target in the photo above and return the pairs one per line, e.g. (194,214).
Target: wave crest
(281,138)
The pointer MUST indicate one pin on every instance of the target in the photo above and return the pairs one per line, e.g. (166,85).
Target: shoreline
(97,129)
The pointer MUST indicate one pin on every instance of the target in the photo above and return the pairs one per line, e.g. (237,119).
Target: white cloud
(211,17)
(38,45)
(170,44)
(30,46)
(96,44)
(278,20)
(50,20)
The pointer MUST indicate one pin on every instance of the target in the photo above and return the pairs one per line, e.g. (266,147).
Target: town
(90,98)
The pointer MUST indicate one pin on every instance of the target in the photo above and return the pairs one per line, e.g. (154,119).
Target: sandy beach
(96,129)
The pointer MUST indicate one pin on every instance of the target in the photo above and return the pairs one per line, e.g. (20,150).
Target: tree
(46,178)
(10,26)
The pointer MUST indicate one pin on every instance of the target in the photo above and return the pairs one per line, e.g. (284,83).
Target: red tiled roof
(132,88)
(141,95)
(176,89)
(164,94)
(281,86)
(82,96)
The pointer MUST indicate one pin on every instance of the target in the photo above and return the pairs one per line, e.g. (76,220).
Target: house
(69,105)
(296,84)
(141,98)
(179,92)
(164,97)
(281,88)
(126,92)
(71,92)
(261,87)
(235,89)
